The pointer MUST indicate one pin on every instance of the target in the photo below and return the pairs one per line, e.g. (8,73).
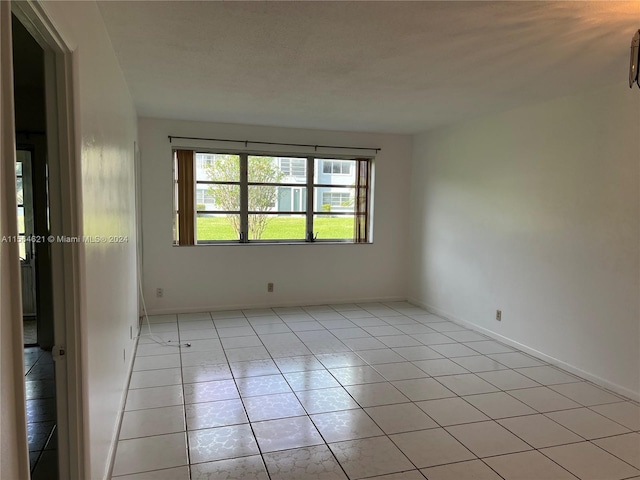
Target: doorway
(35,258)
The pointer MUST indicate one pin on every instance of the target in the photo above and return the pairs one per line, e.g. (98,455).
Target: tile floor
(381,391)
(41,413)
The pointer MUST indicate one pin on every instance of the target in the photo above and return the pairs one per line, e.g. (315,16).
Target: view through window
(264,198)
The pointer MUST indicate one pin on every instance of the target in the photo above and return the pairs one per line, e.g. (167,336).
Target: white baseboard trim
(292,303)
(602,382)
(123,401)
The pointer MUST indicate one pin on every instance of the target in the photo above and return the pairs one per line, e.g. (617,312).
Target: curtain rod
(247,142)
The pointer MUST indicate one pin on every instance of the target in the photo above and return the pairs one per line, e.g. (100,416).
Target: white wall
(217,277)
(535,212)
(107,131)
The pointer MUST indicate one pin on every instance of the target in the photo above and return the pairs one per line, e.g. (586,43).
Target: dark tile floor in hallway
(41,413)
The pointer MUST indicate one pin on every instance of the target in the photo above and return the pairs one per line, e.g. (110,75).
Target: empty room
(308,240)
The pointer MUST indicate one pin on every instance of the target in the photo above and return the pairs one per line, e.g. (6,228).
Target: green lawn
(279,228)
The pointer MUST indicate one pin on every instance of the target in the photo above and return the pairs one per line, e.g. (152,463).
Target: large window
(247,198)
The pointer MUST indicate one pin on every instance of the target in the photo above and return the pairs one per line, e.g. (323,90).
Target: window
(293,167)
(252,198)
(337,199)
(337,167)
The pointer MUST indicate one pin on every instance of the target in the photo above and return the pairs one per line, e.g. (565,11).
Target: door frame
(63,152)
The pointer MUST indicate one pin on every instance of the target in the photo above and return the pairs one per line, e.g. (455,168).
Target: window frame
(361,214)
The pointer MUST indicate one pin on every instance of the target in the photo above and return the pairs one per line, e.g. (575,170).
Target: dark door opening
(35,251)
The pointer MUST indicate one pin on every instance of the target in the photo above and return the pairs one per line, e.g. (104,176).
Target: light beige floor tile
(241,342)
(415,353)
(303,363)
(587,423)
(440,366)
(589,462)
(544,399)
(399,418)
(515,360)
(378,356)
(326,400)
(627,413)
(466,336)
(488,347)
(452,411)
(210,391)
(200,359)
(345,425)
(470,470)
(433,338)
(340,360)
(548,375)
(369,457)
(353,332)
(245,468)
(197,323)
(499,405)
(206,373)
(189,335)
(309,463)
(451,350)
(585,394)
(479,363)
(400,371)
(177,473)
(156,378)
(356,375)
(528,466)
(373,394)
(286,433)
(426,448)
(157,362)
(154,397)
(423,389)
(363,343)
(215,414)
(395,341)
(150,453)
(221,443)
(152,421)
(268,328)
(468,384)
(508,379)
(311,380)
(270,407)
(625,447)
(487,439)
(539,431)
(446,327)
(247,353)
(254,368)
(264,385)
(410,475)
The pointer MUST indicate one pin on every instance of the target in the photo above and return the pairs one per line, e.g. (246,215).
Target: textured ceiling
(397,67)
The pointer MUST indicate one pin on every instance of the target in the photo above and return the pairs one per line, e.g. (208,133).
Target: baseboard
(123,401)
(602,382)
(293,303)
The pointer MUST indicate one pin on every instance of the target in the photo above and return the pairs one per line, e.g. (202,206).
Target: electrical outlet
(159,292)
(499,315)
(270,287)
